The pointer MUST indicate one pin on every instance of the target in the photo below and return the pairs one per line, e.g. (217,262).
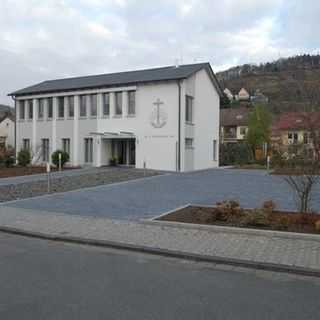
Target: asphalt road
(47,280)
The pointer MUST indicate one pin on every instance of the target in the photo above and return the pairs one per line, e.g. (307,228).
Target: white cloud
(55,38)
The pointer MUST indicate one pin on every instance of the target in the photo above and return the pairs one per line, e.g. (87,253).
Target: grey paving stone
(304,253)
(147,198)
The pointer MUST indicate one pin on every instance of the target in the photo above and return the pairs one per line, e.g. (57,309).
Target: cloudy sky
(47,39)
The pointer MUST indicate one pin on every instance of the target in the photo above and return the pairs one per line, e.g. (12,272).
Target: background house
(293,129)
(243,95)
(229,94)
(234,124)
(7,131)
(7,119)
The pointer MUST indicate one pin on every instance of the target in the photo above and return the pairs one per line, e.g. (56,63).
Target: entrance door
(122,152)
(132,152)
(125,151)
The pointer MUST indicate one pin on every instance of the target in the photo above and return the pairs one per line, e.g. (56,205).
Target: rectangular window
(306,138)
(71,106)
(118,103)
(131,103)
(243,131)
(26,144)
(45,150)
(88,150)
(106,104)
(93,105)
(83,106)
(293,137)
(61,107)
(189,109)
(22,109)
(41,109)
(66,146)
(50,108)
(189,143)
(214,151)
(30,109)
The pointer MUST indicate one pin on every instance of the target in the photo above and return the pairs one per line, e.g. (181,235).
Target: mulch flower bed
(229,213)
(24,171)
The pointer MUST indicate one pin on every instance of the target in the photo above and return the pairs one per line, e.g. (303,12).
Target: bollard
(144,168)
(268,163)
(48,177)
(60,156)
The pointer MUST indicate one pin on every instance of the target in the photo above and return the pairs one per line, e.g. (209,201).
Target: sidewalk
(270,251)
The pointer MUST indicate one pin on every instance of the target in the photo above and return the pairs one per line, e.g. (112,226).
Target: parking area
(151,196)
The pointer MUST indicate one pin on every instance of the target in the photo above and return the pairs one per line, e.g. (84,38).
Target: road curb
(167,253)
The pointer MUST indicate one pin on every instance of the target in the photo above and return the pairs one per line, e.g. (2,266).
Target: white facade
(7,132)
(148,137)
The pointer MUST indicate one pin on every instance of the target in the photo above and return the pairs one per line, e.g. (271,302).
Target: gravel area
(94,178)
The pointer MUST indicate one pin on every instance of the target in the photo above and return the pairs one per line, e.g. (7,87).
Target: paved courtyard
(151,196)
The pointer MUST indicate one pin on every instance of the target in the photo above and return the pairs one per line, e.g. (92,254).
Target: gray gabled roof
(118,79)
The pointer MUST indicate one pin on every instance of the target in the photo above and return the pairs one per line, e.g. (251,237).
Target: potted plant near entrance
(113,161)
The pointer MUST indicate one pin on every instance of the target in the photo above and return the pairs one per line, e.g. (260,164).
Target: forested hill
(281,81)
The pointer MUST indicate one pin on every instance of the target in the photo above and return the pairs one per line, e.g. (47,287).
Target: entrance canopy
(114,135)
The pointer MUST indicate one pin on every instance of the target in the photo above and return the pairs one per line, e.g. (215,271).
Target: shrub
(317,226)
(64,158)
(24,157)
(256,217)
(9,161)
(228,210)
(277,160)
(113,161)
(283,223)
(7,157)
(305,219)
(269,205)
(235,154)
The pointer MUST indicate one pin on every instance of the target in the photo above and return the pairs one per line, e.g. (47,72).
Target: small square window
(131,103)
(189,143)
(83,106)
(71,107)
(106,104)
(50,108)
(61,107)
(41,109)
(93,105)
(189,109)
(118,103)
(30,109)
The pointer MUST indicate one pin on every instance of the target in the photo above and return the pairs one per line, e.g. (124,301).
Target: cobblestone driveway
(134,200)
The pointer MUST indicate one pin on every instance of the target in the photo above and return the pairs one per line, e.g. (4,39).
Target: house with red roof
(294,128)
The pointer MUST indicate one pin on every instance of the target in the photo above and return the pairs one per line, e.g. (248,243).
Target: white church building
(164,118)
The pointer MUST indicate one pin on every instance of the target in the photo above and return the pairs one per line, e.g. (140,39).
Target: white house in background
(243,95)
(229,94)
(164,118)
(7,131)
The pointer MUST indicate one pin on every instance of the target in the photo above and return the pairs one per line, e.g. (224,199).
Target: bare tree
(304,163)
(302,178)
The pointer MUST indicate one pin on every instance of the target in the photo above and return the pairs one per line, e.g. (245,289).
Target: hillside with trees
(282,81)
(4,109)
